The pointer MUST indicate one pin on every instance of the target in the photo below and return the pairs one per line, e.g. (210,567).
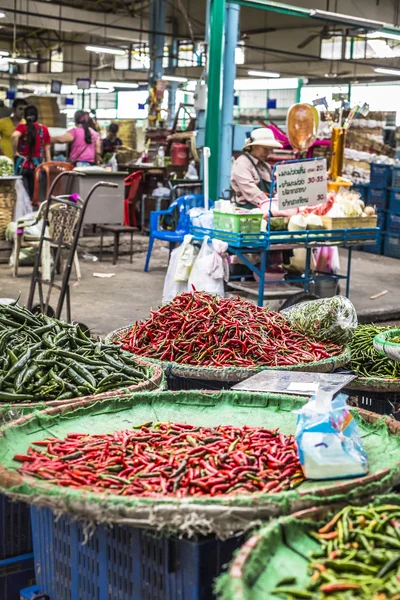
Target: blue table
(241,244)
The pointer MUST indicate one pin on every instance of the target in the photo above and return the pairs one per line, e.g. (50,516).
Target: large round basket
(180,376)
(276,551)
(222,515)
(156,381)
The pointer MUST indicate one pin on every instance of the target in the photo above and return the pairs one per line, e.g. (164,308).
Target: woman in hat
(251,174)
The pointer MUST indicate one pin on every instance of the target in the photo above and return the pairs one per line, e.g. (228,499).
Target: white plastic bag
(179,267)
(211,268)
(23,204)
(328,439)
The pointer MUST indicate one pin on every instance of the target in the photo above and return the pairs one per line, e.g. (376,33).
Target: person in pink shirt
(85,143)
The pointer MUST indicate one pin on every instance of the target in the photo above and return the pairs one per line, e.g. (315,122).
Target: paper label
(301,183)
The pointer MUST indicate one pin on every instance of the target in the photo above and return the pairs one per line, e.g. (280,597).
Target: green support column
(298,92)
(214,94)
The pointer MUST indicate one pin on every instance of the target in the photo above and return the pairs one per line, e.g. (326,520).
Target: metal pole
(214,95)
(157,19)
(172,88)
(228,96)
(299,88)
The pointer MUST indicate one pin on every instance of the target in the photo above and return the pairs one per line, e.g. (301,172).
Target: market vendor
(251,174)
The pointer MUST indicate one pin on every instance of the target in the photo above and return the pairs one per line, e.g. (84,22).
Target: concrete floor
(106,304)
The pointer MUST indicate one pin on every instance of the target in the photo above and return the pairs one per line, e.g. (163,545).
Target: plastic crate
(394,201)
(382,403)
(13,577)
(361,189)
(238,222)
(380,222)
(377,197)
(380,175)
(391,245)
(123,563)
(396,176)
(31,593)
(393,223)
(177,383)
(15,528)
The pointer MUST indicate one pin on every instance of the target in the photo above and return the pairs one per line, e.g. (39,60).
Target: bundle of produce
(367,361)
(6,167)
(46,359)
(175,459)
(321,553)
(333,319)
(197,328)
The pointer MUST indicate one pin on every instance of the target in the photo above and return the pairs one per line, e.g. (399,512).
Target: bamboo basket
(349,222)
(8,197)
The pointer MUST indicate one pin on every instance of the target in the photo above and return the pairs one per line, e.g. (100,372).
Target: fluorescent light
(381,49)
(2,15)
(387,71)
(4,53)
(10,59)
(345,19)
(263,74)
(384,36)
(116,84)
(106,50)
(284,83)
(174,78)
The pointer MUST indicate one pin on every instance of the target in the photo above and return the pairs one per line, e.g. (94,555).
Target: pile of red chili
(173,459)
(197,328)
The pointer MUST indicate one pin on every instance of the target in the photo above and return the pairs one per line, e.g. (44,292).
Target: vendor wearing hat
(251,174)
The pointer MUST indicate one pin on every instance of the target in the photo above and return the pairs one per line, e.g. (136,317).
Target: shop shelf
(396,176)
(18,574)
(380,175)
(394,201)
(15,528)
(391,245)
(361,189)
(377,197)
(128,562)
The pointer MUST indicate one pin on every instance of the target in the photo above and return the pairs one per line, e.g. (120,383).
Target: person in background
(31,144)
(8,125)
(93,120)
(85,147)
(251,174)
(112,141)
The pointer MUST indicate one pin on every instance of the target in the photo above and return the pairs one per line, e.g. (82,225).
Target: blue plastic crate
(380,175)
(15,528)
(381,223)
(396,176)
(391,245)
(394,201)
(30,593)
(377,197)
(123,562)
(393,223)
(14,576)
(361,189)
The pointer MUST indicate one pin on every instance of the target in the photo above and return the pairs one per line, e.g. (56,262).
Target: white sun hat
(262,137)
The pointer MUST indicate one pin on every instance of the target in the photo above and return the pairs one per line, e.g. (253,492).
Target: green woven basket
(384,345)
(222,515)
(232,374)
(276,551)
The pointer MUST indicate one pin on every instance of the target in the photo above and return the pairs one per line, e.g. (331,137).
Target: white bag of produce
(328,440)
(171,286)
(23,205)
(186,259)
(211,268)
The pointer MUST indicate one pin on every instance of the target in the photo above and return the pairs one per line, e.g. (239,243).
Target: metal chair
(181,208)
(50,170)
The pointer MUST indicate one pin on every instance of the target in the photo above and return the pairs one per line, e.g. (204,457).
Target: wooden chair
(50,170)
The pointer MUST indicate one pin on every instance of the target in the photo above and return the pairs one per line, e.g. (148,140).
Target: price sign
(301,183)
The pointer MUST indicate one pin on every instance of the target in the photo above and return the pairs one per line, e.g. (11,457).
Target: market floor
(104,304)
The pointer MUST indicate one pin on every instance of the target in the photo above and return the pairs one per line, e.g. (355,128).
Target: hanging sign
(301,183)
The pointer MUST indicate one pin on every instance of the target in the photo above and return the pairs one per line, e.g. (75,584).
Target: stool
(116,230)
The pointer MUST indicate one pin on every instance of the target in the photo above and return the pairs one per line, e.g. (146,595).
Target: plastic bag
(328,440)
(333,319)
(174,283)
(200,217)
(211,268)
(186,259)
(327,259)
(23,204)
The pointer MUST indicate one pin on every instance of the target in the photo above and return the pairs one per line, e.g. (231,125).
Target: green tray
(223,514)
(278,550)
(384,345)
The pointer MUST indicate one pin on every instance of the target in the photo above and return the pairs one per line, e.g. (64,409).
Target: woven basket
(384,345)
(8,198)
(232,374)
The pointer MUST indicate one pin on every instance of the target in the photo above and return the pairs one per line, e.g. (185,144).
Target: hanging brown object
(302,126)
(337,152)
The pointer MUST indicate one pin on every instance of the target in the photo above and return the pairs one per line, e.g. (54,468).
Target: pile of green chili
(359,557)
(367,361)
(42,358)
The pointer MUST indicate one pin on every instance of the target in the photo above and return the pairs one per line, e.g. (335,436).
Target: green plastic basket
(238,222)
(384,345)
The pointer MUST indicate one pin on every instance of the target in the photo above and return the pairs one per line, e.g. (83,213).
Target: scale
(295,382)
